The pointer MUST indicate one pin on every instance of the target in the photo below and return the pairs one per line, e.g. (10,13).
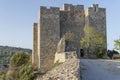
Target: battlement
(46,10)
(66,7)
(35,24)
(70,7)
(95,5)
(95,8)
(78,7)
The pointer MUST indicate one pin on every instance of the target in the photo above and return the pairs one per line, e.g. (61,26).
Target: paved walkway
(100,69)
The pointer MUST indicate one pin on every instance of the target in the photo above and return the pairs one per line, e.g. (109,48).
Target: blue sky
(17,17)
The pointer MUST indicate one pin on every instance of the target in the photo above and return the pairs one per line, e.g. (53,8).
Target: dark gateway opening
(81,53)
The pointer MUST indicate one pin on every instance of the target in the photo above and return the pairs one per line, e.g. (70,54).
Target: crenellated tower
(67,21)
(72,21)
(96,17)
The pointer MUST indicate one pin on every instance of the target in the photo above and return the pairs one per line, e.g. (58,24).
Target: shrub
(20,67)
(19,59)
(2,75)
(26,73)
(99,52)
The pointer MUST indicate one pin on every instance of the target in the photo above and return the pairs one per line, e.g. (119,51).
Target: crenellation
(51,10)
(95,5)
(35,24)
(43,8)
(78,7)
(70,7)
(55,8)
(67,7)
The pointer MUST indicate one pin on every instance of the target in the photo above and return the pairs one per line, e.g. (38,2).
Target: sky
(18,16)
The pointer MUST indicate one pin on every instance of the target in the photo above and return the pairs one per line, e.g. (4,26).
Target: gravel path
(100,69)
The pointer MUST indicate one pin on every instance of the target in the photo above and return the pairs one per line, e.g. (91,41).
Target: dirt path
(100,69)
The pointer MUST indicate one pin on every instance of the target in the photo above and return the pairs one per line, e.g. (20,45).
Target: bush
(20,67)
(99,52)
(19,59)
(26,73)
(2,75)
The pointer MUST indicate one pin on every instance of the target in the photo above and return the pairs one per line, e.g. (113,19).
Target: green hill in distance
(7,51)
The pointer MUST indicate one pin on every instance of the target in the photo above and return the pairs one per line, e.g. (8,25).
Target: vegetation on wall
(19,59)
(99,52)
(93,40)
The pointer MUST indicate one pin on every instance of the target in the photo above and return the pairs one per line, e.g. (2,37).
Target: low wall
(69,70)
(61,57)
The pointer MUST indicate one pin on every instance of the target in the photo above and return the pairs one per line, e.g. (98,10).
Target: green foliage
(6,53)
(20,67)
(19,59)
(117,44)
(93,39)
(26,73)
(2,75)
(99,52)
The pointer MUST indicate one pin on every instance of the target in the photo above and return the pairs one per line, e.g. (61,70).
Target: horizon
(17,18)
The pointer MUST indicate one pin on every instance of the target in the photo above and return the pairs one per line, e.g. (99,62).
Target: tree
(117,44)
(20,67)
(93,39)
(26,73)
(19,59)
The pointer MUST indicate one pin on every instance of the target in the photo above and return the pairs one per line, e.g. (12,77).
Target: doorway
(81,53)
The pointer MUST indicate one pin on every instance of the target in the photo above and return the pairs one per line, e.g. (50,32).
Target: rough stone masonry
(55,23)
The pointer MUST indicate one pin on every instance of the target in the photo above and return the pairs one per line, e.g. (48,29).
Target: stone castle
(69,21)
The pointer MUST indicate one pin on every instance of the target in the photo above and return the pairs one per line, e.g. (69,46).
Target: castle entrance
(81,53)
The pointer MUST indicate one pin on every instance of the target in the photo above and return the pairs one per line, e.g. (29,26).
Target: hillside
(7,51)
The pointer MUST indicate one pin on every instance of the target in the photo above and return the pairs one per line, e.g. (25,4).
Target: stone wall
(72,20)
(55,23)
(61,55)
(49,35)
(69,70)
(35,45)
(96,17)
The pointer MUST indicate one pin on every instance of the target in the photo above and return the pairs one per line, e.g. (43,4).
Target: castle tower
(35,45)
(96,17)
(72,21)
(47,36)
(69,21)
